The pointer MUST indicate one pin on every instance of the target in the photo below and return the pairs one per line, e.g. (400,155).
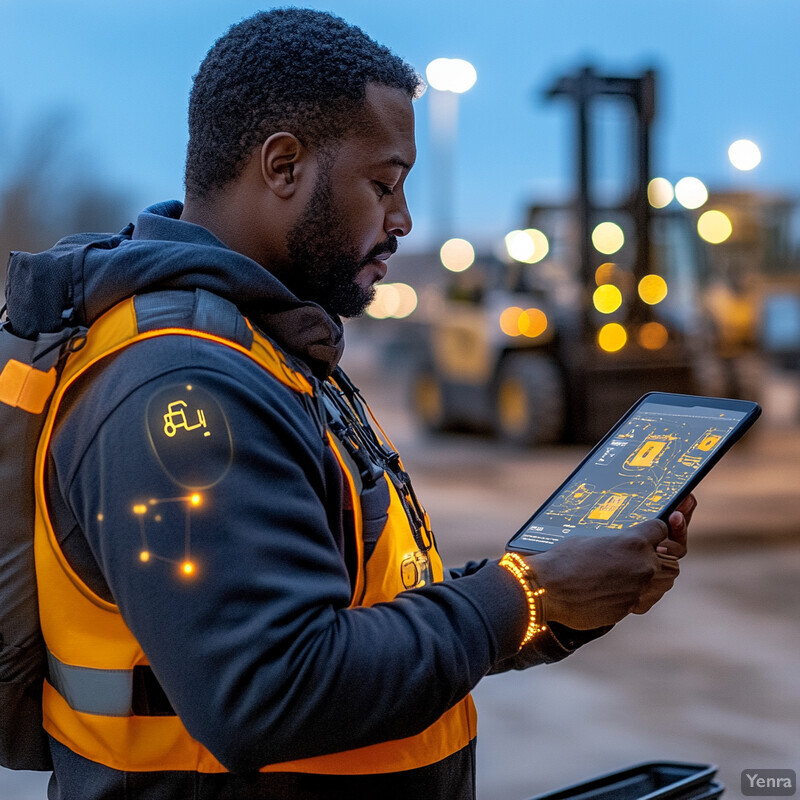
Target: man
(239,591)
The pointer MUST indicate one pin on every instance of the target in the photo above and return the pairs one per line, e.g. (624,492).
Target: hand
(675,543)
(669,551)
(596,580)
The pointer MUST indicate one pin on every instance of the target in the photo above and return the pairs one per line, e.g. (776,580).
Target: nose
(398,218)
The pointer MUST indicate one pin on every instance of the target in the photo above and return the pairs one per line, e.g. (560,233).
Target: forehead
(384,134)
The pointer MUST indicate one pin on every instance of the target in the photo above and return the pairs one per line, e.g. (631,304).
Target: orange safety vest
(92,652)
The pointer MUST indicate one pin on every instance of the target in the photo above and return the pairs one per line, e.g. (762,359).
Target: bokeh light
(744,154)
(607,298)
(532,322)
(660,192)
(714,226)
(529,246)
(652,336)
(509,321)
(607,238)
(612,337)
(691,192)
(457,255)
(451,75)
(541,247)
(605,273)
(393,301)
(652,289)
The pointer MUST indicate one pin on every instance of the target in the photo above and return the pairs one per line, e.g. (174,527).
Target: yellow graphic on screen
(709,442)
(648,454)
(635,476)
(175,418)
(608,507)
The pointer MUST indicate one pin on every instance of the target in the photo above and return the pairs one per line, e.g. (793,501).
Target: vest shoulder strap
(195,313)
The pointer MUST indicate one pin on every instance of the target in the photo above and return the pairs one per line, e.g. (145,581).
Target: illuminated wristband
(534,595)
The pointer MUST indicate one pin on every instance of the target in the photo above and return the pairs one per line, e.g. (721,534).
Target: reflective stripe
(93,691)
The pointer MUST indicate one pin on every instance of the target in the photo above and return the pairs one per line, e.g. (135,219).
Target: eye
(383,189)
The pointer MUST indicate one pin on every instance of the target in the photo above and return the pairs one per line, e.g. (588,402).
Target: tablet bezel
(751,412)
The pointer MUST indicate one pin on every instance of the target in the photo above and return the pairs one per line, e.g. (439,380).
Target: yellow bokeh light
(532,322)
(457,255)
(660,192)
(612,337)
(691,192)
(607,298)
(714,226)
(608,237)
(652,336)
(196,499)
(652,289)
(144,556)
(140,509)
(605,273)
(744,154)
(187,568)
(509,321)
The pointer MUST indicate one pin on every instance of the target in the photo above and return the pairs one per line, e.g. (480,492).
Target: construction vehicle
(557,350)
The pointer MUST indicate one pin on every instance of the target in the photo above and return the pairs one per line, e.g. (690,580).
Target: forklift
(525,350)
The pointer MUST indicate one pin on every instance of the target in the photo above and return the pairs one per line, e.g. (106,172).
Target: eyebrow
(396,161)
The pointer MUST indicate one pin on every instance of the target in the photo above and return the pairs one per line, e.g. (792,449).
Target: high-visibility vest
(87,700)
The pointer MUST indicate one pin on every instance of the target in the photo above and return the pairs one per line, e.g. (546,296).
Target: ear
(284,161)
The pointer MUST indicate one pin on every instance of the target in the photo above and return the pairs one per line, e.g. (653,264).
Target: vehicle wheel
(529,400)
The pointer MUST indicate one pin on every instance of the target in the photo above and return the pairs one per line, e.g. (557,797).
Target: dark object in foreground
(652,780)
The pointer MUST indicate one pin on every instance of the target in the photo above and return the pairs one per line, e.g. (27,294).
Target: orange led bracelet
(534,594)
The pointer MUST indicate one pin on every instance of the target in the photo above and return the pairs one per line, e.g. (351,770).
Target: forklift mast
(582,88)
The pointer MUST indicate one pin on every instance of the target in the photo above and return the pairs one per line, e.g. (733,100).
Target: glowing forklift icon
(176,418)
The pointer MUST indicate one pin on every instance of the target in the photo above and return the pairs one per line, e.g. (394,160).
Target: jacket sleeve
(554,644)
(258,649)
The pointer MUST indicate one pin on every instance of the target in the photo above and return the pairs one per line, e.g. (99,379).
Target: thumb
(653,531)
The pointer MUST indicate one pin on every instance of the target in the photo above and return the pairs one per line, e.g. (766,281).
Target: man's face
(349,227)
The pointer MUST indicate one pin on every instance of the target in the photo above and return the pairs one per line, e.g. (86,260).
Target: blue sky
(729,69)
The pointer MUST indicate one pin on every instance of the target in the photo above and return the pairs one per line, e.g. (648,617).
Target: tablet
(642,469)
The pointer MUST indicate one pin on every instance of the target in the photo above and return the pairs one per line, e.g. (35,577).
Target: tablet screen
(635,473)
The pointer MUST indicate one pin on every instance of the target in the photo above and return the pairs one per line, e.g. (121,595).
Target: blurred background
(604,203)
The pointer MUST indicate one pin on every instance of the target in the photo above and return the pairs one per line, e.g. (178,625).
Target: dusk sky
(120,74)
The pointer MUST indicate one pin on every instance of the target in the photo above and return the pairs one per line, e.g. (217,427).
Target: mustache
(389,247)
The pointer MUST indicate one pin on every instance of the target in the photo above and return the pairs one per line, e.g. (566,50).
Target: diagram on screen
(639,471)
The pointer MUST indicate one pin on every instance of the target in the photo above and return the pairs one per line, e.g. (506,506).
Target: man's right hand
(592,581)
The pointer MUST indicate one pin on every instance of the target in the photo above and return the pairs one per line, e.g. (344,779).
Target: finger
(687,507)
(668,563)
(678,532)
(653,531)
(671,548)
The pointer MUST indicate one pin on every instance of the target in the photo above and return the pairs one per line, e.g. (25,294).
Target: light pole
(448,78)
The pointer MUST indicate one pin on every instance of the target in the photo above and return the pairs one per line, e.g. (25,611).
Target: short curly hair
(291,69)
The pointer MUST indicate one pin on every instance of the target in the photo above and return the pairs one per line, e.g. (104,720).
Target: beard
(324,264)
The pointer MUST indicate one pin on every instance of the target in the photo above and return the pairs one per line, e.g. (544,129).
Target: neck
(224,215)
